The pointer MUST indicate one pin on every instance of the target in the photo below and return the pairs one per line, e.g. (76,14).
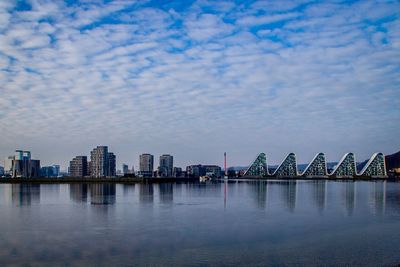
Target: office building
(201,170)
(125,169)
(102,163)
(166,165)
(8,167)
(112,165)
(24,166)
(89,169)
(50,171)
(99,160)
(1,170)
(146,165)
(78,167)
(177,172)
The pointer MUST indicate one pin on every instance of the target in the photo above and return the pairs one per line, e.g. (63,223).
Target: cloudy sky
(197,78)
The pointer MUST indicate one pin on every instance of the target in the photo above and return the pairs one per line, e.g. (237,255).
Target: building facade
(201,170)
(50,171)
(166,165)
(177,172)
(146,165)
(23,166)
(102,162)
(78,167)
(99,160)
(8,167)
(125,169)
(112,165)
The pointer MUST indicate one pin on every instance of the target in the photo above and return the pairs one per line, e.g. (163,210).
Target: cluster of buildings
(103,164)
(21,164)
(100,164)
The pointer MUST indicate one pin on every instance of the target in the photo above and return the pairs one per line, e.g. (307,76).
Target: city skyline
(197,78)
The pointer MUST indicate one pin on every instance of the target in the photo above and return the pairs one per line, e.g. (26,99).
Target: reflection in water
(349,192)
(319,194)
(259,191)
(129,189)
(208,189)
(102,194)
(225,192)
(377,196)
(78,192)
(166,192)
(197,230)
(392,200)
(25,194)
(146,193)
(288,190)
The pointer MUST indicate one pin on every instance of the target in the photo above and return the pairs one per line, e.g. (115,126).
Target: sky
(197,78)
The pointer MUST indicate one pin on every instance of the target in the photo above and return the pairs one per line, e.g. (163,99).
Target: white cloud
(194,83)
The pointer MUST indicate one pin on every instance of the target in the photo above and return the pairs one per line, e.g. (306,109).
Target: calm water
(254,223)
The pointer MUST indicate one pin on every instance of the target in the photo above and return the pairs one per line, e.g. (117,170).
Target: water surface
(240,223)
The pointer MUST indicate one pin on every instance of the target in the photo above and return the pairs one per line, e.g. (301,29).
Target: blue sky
(197,78)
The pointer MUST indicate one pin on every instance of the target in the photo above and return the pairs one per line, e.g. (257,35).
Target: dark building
(78,166)
(50,171)
(177,172)
(112,165)
(125,169)
(201,170)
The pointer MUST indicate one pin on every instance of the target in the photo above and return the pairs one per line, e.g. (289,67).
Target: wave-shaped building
(346,168)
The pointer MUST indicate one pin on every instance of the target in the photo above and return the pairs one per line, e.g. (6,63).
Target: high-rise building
(112,165)
(146,165)
(89,169)
(102,162)
(166,165)
(1,170)
(99,160)
(24,166)
(125,169)
(78,166)
(8,167)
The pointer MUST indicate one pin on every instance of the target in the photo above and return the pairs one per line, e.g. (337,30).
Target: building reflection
(378,197)
(128,189)
(25,194)
(207,189)
(392,196)
(288,192)
(78,192)
(6,194)
(102,194)
(146,193)
(349,196)
(166,192)
(318,190)
(259,191)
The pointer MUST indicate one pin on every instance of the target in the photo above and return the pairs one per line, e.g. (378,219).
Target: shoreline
(139,180)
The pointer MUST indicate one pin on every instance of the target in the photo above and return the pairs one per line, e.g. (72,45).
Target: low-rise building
(50,171)
(201,170)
